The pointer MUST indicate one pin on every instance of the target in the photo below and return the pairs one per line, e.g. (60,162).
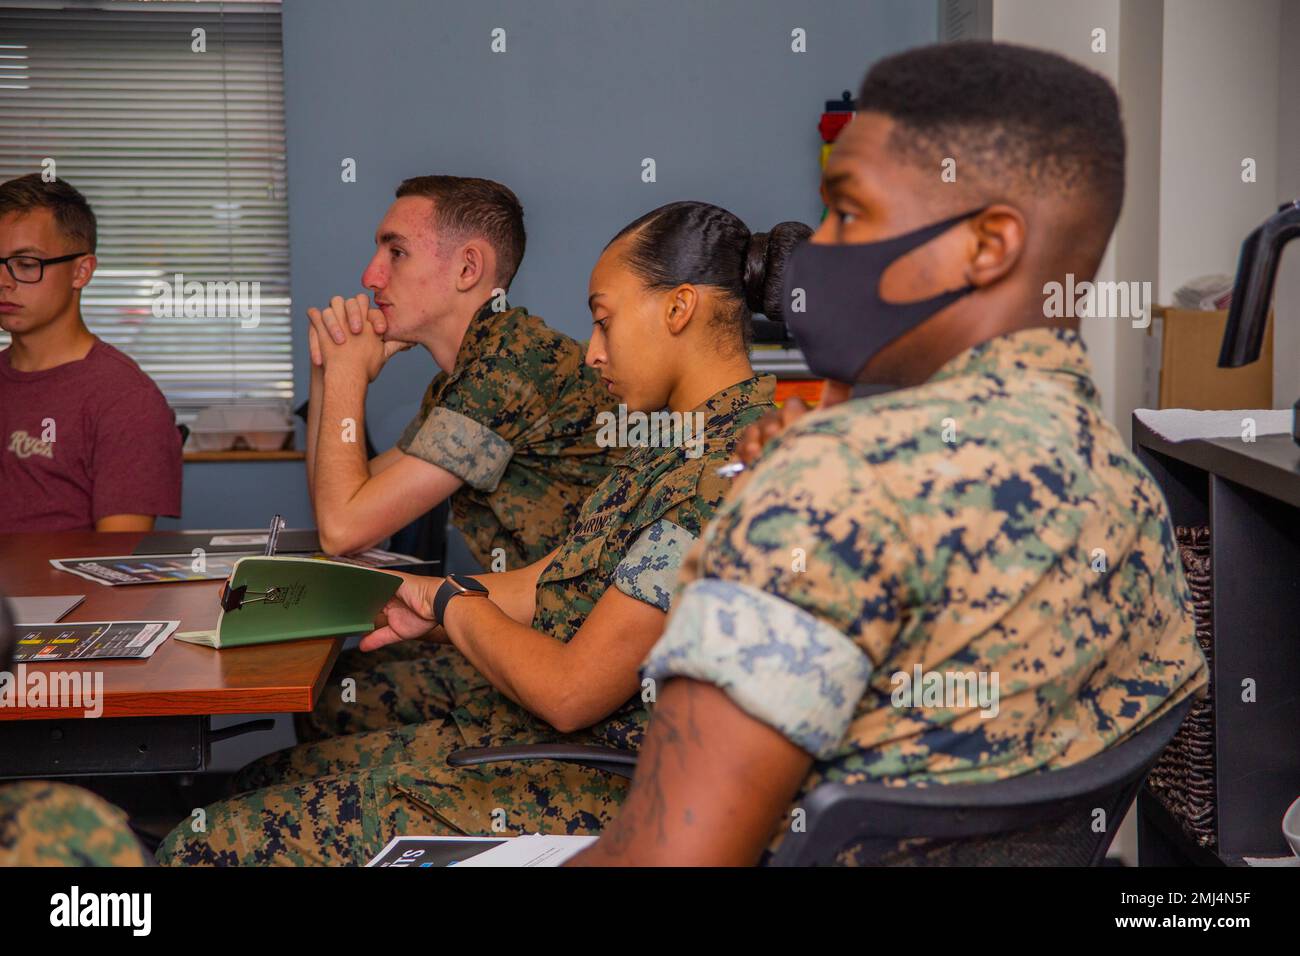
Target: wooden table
(155,712)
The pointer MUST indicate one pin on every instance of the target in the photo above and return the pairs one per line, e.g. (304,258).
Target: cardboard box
(1187,343)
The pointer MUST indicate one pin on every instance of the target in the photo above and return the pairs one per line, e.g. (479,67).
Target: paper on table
(243,540)
(206,638)
(81,640)
(122,569)
(1182,424)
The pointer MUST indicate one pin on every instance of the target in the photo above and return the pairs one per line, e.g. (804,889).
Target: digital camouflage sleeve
(515,420)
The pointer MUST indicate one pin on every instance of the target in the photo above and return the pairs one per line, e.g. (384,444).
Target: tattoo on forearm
(672,730)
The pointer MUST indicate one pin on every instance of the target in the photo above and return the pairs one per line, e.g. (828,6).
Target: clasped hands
(364,350)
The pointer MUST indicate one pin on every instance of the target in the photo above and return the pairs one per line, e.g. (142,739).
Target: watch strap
(449,588)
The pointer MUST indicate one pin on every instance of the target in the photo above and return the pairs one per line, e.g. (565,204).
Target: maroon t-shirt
(115,447)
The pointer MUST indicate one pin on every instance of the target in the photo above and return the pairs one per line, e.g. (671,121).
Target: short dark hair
(1010,114)
(703,244)
(71,211)
(465,206)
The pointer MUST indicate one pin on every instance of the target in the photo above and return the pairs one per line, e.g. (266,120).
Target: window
(176,137)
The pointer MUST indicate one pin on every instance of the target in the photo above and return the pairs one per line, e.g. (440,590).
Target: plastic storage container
(256,427)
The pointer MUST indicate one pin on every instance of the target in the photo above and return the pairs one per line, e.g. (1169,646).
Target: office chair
(1048,818)
(620,762)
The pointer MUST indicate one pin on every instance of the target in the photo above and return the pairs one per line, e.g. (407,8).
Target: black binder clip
(232,599)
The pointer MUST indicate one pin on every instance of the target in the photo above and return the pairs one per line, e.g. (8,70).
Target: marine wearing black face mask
(945,528)
(846,321)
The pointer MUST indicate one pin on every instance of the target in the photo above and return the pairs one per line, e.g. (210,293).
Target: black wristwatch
(453,585)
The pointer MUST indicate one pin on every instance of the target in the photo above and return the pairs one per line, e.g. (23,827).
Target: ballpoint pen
(277,523)
(731,469)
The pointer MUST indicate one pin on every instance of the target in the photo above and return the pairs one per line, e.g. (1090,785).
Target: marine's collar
(486,320)
(755,390)
(1041,349)
(717,412)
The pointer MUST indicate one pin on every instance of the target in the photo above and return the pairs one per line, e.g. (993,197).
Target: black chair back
(425,537)
(1064,817)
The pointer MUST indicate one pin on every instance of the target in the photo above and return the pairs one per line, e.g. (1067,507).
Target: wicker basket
(1183,778)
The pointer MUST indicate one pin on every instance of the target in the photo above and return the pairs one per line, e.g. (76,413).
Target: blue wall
(585,90)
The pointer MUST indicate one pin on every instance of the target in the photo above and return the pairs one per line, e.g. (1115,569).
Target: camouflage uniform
(990,522)
(341,799)
(515,421)
(347,819)
(53,824)
(396,686)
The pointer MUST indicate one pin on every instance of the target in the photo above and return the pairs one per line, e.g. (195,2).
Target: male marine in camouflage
(506,431)
(984,519)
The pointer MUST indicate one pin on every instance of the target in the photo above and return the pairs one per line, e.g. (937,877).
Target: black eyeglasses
(31,269)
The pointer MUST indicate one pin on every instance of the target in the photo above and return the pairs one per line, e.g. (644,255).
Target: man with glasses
(87,441)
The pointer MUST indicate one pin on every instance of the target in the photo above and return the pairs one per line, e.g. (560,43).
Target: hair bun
(765,259)
(755,277)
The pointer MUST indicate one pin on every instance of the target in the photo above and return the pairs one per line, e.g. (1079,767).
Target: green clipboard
(270,599)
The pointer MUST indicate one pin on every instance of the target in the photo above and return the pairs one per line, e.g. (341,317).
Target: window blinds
(181,154)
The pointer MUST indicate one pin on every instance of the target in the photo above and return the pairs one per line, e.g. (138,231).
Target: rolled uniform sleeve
(415,424)
(648,572)
(472,429)
(791,595)
(776,662)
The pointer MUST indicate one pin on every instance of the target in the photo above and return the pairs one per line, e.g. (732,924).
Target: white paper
(238,540)
(1182,424)
(538,849)
(1272,860)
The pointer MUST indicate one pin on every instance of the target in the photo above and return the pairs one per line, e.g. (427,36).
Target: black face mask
(845,321)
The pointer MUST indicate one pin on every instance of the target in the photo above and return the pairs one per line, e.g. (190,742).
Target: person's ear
(680,307)
(83,271)
(999,241)
(473,265)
